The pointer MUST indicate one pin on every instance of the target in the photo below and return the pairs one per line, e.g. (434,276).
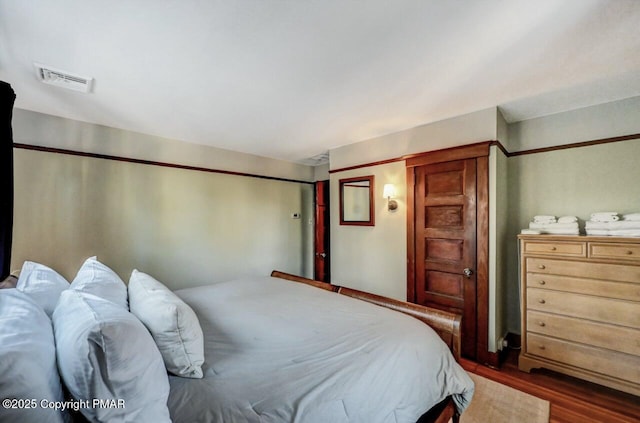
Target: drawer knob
(553,248)
(541,266)
(629,252)
(541,282)
(542,347)
(543,324)
(541,301)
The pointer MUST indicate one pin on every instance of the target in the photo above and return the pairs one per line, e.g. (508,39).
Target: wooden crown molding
(575,145)
(480,145)
(150,162)
(408,158)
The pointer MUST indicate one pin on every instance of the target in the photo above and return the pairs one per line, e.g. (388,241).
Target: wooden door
(447,239)
(321,244)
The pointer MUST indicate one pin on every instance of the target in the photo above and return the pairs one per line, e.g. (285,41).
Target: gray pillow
(43,284)
(98,279)
(105,352)
(172,323)
(28,368)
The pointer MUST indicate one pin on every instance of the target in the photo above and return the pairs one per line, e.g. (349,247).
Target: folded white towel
(598,232)
(620,224)
(632,217)
(614,232)
(560,231)
(567,219)
(544,219)
(625,232)
(604,214)
(571,226)
(605,217)
(530,232)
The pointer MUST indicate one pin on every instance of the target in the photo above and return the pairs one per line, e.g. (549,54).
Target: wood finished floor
(572,400)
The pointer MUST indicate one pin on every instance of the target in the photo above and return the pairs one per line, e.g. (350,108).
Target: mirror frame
(371,221)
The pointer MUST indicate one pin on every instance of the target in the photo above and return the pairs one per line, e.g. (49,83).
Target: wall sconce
(389,192)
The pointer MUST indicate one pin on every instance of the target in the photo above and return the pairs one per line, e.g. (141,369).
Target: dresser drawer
(605,310)
(574,249)
(606,362)
(601,335)
(621,290)
(612,272)
(615,251)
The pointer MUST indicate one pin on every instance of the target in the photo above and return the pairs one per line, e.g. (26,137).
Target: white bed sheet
(280,351)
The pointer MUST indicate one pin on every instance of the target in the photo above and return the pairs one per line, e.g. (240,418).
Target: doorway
(322,265)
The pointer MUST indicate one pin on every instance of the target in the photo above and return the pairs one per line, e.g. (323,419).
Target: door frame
(480,152)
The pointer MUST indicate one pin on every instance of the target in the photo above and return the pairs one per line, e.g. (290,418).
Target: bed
(278,348)
(315,352)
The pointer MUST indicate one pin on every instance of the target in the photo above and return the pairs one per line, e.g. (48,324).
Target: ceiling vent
(63,79)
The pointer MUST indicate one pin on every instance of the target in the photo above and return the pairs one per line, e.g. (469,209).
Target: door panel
(445,241)
(445,216)
(444,283)
(446,250)
(445,183)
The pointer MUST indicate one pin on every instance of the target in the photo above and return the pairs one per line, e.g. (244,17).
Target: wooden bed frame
(446,324)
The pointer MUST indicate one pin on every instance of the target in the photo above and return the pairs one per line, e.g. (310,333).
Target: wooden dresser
(580,302)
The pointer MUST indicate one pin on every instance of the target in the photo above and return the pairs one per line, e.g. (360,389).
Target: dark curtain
(7,98)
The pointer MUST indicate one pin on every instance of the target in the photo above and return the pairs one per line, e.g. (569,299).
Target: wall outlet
(502,343)
(295,215)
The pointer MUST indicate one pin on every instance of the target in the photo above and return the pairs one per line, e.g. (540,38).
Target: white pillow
(43,284)
(28,367)
(172,323)
(104,352)
(97,279)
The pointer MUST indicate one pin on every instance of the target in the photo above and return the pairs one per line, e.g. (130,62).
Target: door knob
(467,272)
(323,255)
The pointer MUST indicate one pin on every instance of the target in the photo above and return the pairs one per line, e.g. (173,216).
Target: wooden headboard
(446,324)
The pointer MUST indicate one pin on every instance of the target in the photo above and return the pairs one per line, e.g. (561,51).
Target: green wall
(575,181)
(182,226)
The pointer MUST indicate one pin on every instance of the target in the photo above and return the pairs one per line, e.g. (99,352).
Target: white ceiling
(291,79)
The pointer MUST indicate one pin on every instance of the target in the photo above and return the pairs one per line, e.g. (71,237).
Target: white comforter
(280,351)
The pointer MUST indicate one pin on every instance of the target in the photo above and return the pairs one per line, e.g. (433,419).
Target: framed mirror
(356,201)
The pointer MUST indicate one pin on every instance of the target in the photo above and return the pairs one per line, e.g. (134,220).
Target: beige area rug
(496,403)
